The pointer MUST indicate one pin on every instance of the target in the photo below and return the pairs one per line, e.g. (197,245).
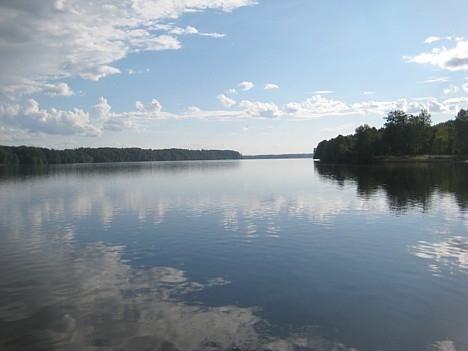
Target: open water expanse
(234,255)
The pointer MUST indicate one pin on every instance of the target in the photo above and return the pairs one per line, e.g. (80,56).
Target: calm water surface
(234,255)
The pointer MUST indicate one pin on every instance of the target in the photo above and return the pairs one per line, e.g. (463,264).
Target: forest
(402,135)
(29,155)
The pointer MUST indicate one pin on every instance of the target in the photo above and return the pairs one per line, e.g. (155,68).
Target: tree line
(402,135)
(30,155)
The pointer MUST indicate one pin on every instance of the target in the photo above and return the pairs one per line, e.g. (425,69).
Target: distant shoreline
(276,156)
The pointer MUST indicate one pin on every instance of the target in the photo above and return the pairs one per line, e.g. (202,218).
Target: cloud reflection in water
(451,253)
(91,300)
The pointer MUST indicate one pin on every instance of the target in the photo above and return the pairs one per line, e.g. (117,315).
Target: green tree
(395,134)
(461,132)
(7,156)
(367,143)
(418,133)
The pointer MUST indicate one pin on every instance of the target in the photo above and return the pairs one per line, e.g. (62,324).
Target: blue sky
(263,76)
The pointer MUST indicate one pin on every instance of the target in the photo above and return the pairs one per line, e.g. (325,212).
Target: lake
(234,255)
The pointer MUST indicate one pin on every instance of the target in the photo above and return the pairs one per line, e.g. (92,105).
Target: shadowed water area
(234,255)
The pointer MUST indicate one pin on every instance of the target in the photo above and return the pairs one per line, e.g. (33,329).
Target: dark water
(234,255)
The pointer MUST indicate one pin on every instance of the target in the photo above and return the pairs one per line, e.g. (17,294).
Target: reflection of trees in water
(17,172)
(405,185)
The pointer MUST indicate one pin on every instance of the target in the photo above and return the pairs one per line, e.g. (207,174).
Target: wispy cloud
(323,92)
(465,87)
(450,90)
(192,30)
(436,80)
(269,86)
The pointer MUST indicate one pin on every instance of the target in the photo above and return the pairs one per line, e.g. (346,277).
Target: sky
(256,76)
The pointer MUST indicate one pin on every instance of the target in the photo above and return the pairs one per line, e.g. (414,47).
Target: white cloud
(245,85)
(192,30)
(261,109)
(369,93)
(102,108)
(323,92)
(293,107)
(154,106)
(98,72)
(131,119)
(436,80)
(213,35)
(227,102)
(450,90)
(269,86)
(193,111)
(454,59)
(186,30)
(17,120)
(155,43)
(379,107)
(151,109)
(465,87)
(317,104)
(29,117)
(431,40)
(42,42)
(61,89)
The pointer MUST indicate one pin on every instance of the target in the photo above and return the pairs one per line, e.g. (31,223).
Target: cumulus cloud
(61,89)
(245,85)
(30,117)
(102,108)
(453,59)
(227,102)
(293,107)
(42,42)
(19,118)
(269,86)
(261,109)
(128,120)
(154,107)
(318,105)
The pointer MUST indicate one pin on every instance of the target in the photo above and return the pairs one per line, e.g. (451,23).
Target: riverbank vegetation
(403,136)
(28,155)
